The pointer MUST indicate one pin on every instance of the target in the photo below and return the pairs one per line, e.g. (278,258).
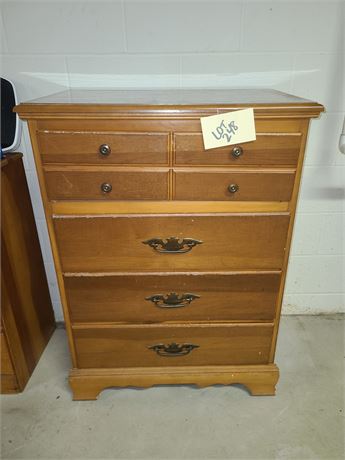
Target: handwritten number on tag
(228,128)
(225,131)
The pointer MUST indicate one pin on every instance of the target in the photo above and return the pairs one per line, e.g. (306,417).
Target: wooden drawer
(126,184)
(148,298)
(191,184)
(84,147)
(275,149)
(115,243)
(128,346)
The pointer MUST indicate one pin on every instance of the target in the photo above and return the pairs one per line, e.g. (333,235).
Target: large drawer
(232,185)
(107,184)
(182,297)
(104,147)
(276,149)
(129,346)
(208,243)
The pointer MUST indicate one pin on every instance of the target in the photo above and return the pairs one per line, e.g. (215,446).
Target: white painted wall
(297,47)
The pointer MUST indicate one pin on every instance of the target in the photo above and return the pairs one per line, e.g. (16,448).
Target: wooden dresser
(171,259)
(27,318)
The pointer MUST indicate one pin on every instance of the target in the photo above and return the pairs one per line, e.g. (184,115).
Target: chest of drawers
(171,259)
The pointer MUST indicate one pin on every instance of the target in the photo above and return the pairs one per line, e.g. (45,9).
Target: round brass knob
(104,149)
(233,188)
(237,151)
(106,188)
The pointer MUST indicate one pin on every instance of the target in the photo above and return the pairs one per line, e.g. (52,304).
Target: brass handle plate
(172,300)
(172,245)
(173,349)
(237,151)
(106,188)
(104,150)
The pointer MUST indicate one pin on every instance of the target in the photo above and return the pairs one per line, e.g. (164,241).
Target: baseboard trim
(86,384)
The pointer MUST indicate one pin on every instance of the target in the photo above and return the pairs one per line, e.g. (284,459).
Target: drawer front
(129,346)
(268,149)
(104,147)
(233,186)
(107,185)
(215,242)
(190,297)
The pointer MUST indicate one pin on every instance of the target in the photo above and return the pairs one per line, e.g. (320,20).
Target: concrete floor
(304,421)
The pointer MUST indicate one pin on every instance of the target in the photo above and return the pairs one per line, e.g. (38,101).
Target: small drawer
(274,149)
(181,297)
(172,243)
(107,184)
(191,184)
(178,345)
(103,147)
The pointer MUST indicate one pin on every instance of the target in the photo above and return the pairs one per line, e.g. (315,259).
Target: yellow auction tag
(228,128)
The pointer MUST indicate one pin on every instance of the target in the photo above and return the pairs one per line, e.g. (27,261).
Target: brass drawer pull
(106,188)
(172,244)
(237,151)
(233,188)
(173,349)
(172,300)
(104,150)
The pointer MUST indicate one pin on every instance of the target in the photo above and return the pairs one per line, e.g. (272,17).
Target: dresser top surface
(148,102)
(172,97)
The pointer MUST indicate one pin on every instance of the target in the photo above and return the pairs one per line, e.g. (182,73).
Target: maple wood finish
(129,346)
(259,379)
(196,184)
(280,149)
(117,242)
(171,260)
(125,184)
(123,148)
(220,297)
(27,318)
(6,362)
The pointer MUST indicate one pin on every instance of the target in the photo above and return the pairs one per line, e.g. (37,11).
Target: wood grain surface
(127,346)
(127,184)
(260,380)
(27,314)
(121,298)
(84,147)
(229,242)
(207,184)
(268,149)
(6,362)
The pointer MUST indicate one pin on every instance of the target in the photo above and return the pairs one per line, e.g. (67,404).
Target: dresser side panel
(32,124)
(293,206)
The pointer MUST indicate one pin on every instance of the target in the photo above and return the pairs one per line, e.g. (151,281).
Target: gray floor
(305,420)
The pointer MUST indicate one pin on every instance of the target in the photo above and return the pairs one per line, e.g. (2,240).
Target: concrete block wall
(293,46)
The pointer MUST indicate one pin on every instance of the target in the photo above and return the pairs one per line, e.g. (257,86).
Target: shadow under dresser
(171,259)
